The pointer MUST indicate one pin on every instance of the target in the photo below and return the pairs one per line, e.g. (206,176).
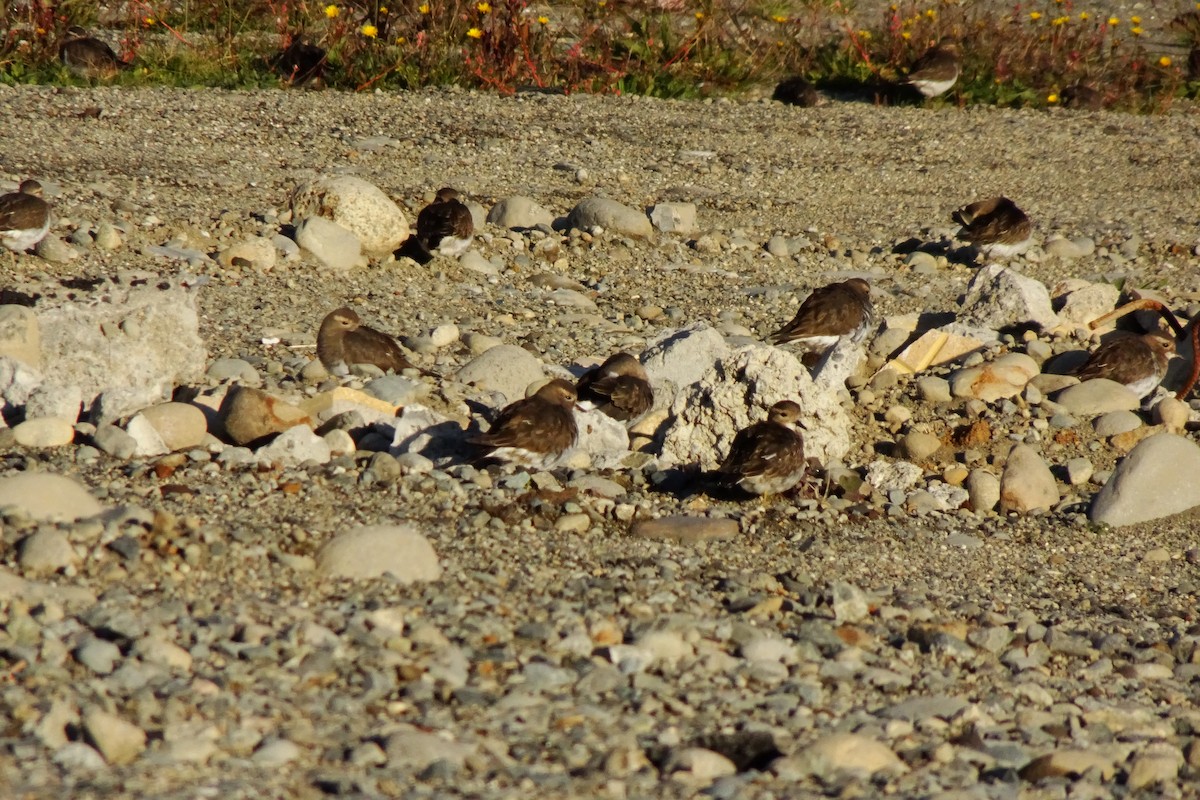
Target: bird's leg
(1143,303)
(1194,372)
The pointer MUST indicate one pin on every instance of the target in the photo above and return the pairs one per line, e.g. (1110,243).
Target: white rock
(1115,422)
(1156,479)
(156,650)
(677,358)
(340,442)
(119,741)
(1027,482)
(46,551)
(1068,248)
(276,753)
(519,212)
(78,757)
(1160,763)
(444,335)
(255,252)
(1006,376)
(1097,396)
(507,369)
(147,442)
(602,212)
(838,753)
(180,426)
(55,400)
(666,646)
(356,205)
(44,496)
(422,431)
(999,297)
(44,432)
(334,246)
(411,748)
(372,551)
(18,381)
(1171,413)
(674,217)
(849,602)
(1080,304)
(20,336)
(603,438)
(295,446)
(893,476)
(701,764)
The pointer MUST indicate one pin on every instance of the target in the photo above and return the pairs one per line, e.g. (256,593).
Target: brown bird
(766,457)
(830,313)
(995,226)
(1083,97)
(1139,362)
(796,91)
(937,69)
(343,340)
(445,226)
(300,62)
(24,217)
(87,56)
(534,431)
(619,388)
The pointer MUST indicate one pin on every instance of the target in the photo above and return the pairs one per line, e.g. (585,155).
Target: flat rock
(1097,396)
(840,753)
(507,369)
(44,496)
(1156,479)
(1068,762)
(999,297)
(1115,422)
(519,212)
(674,217)
(337,248)
(295,446)
(357,206)
(119,741)
(686,530)
(610,215)
(372,551)
(1027,482)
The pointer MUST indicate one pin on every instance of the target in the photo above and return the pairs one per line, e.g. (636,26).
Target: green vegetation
(1029,55)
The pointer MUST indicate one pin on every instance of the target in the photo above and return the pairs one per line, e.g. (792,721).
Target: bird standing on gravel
(1138,362)
(619,388)
(534,431)
(343,340)
(445,226)
(24,217)
(766,457)
(829,314)
(995,226)
(88,57)
(936,70)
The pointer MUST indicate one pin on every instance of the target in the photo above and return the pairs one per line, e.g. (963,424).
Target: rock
(1160,763)
(507,369)
(425,432)
(1172,414)
(1156,479)
(125,348)
(276,753)
(78,757)
(474,261)
(248,415)
(294,447)
(107,236)
(372,551)
(1115,422)
(156,650)
(46,551)
(934,389)
(396,390)
(98,655)
(234,370)
(1070,249)
(702,765)
(340,443)
(55,250)
(893,476)
(120,742)
(849,602)
(334,246)
(357,206)
(918,445)
(180,426)
(326,406)
(20,336)
(1004,377)
(256,253)
(1080,304)
(1027,483)
(939,346)
(1068,763)
(412,748)
(51,400)
(999,297)
(736,391)
(592,212)
(44,432)
(682,357)
(44,496)
(519,212)
(1079,471)
(840,753)
(114,441)
(1095,397)
(674,217)
(603,438)
(686,530)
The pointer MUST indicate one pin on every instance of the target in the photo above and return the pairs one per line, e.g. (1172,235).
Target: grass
(1027,55)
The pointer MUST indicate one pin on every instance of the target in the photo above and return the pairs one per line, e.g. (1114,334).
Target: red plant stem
(175,33)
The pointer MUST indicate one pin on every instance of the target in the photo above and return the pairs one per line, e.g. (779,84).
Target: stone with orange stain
(1027,483)
(1004,377)
(251,414)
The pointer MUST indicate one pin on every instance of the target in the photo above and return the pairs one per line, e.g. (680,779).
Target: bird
(87,56)
(343,340)
(996,226)
(1138,362)
(829,314)
(1083,97)
(24,217)
(534,431)
(937,69)
(619,388)
(766,457)
(445,226)
(796,91)
(301,62)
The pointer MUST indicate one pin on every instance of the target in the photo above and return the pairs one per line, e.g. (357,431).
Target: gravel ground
(556,660)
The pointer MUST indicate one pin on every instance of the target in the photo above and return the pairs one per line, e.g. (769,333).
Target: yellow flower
(331,11)
(1113,21)
(699,15)
(369,31)
(423,8)
(475,33)
(1060,20)
(905,35)
(1084,15)
(864,35)
(484,7)
(1035,15)
(543,20)
(1136,30)
(1135,20)
(1052,98)
(1165,61)
(149,21)
(383,9)
(929,12)
(780,18)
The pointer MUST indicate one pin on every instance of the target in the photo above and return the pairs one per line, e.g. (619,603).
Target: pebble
(1097,396)
(256,253)
(1027,483)
(107,237)
(44,496)
(1155,480)
(98,655)
(519,212)
(119,741)
(250,414)
(601,212)
(1115,422)
(46,551)
(233,369)
(372,551)
(934,389)
(674,217)
(295,446)
(115,442)
(506,369)
(335,247)
(918,445)
(1172,414)
(276,753)
(1004,377)
(1079,471)
(180,426)
(44,432)
(837,754)
(686,530)
(1068,762)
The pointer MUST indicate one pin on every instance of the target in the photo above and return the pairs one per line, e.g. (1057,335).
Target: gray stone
(1079,471)
(999,297)
(55,400)
(276,753)
(678,358)
(1115,422)
(114,441)
(934,389)
(44,432)
(920,709)
(674,217)
(592,212)
(686,530)
(919,445)
(119,741)
(519,212)
(370,552)
(837,754)
(46,551)
(234,369)
(1156,479)
(295,446)
(397,390)
(415,749)
(355,205)
(334,246)
(44,496)
(98,655)
(1027,483)
(507,369)
(1097,396)
(849,602)
(20,336)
